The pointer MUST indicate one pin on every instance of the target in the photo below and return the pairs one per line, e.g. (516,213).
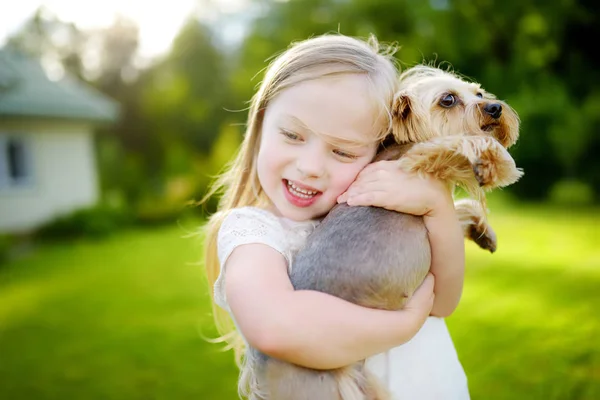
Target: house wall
(64,174)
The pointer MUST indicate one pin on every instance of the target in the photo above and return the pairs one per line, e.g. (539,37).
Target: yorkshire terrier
(443,126)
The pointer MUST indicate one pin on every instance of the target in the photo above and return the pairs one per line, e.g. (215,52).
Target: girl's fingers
(377,169)
(377,179)
(359,189)
(377,198)
(369,169)
(343,197)
(377,184)
(426,286)
(423,297)
(389,165)
(389,186)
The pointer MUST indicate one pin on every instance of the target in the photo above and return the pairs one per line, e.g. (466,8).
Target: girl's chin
(305,214)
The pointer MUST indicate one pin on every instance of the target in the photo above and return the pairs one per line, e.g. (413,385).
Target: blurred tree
(183,105)
(56,43)
(186,94)
(125,149)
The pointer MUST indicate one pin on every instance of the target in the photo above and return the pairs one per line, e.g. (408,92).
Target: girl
(314,124)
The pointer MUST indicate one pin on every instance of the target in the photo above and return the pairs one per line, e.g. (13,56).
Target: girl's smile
(298,194)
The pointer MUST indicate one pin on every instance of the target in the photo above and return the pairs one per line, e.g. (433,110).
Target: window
(16,169)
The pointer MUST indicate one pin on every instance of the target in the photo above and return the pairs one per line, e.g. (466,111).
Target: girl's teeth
(301,192)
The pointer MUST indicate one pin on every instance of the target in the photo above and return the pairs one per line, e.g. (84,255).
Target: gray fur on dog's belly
(366,255)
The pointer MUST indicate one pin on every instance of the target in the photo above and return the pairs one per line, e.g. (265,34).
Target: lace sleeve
(244,226)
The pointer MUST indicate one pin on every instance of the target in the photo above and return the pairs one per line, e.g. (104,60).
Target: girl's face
(316,137)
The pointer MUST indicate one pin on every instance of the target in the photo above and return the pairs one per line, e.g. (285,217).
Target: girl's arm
(310,328)
(383,184)
(447,256)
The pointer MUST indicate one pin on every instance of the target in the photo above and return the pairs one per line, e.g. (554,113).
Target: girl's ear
(409,119)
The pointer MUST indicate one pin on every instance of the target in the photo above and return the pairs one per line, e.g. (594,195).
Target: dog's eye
(480,95)
(448,100)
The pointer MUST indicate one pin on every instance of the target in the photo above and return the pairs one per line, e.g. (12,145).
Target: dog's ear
(508,132)
(408,119)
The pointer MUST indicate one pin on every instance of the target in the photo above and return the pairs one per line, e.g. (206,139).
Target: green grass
(125,318)
(528,326)
(117,319)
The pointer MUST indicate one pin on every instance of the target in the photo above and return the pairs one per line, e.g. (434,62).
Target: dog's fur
(443,126)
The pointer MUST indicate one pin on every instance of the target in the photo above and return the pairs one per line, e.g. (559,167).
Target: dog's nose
(493,109)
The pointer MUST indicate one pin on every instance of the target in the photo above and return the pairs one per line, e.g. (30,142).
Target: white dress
(424,368)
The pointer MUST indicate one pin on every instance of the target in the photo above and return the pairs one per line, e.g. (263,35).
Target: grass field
(125,318)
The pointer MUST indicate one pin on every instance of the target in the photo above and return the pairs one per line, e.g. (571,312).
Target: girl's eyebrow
(298,122)
(331,139)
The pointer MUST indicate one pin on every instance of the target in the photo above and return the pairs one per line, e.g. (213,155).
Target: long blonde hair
(310,59)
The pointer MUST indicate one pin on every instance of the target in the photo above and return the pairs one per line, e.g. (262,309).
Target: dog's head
(432,102)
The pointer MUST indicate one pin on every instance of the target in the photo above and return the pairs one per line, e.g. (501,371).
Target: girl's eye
(448,100)
(343,154)
(480,95)
(290,135)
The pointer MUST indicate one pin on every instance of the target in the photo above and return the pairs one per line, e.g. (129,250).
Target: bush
(96,222)
(161,214)
(571,193)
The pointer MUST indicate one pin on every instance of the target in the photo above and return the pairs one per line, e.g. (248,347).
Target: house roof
(26,91)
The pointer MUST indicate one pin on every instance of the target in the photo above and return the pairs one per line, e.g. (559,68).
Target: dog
(443,126)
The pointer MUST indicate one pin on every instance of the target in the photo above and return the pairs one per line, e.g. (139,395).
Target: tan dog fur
(454,141)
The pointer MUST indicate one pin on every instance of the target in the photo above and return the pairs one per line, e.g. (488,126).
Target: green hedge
(96,222)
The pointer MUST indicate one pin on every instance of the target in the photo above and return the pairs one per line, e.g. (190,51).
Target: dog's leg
(473,162)
(472,218)
(494,167)
(448,159)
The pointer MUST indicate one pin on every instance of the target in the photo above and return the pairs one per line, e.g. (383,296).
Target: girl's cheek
(268,154)
(347,178)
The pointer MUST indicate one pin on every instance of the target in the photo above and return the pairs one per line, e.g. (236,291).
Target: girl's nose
(311,164)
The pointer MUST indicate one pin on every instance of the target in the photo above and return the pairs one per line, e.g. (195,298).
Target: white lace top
(424,368)
(254,225)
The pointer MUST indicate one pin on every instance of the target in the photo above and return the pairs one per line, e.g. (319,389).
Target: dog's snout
(493,109)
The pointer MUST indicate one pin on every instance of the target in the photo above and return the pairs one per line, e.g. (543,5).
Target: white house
(47,158)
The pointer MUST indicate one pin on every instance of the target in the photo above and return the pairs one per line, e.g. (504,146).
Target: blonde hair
(315,58)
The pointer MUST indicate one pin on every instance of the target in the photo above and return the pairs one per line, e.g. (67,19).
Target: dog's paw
(485,172)
(484,236)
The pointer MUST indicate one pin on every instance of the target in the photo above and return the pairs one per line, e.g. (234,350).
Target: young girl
(314,124)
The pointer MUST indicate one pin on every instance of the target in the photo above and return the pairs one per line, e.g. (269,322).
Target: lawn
(125,318)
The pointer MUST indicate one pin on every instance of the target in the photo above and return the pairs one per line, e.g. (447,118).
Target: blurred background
(115,116)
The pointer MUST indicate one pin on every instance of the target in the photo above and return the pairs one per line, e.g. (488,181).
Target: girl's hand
(383,184)
(421,302)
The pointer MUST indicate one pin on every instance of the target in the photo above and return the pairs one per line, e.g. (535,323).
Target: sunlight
(158,21)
